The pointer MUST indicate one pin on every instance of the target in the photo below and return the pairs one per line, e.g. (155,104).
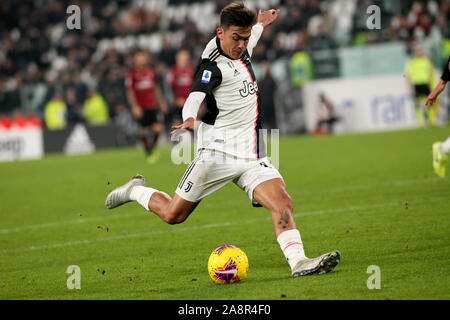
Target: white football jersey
(232,120)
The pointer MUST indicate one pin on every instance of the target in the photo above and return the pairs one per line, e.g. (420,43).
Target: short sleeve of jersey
(446,73)
(207,77)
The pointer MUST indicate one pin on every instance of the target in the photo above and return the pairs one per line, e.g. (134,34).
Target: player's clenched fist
(267,17)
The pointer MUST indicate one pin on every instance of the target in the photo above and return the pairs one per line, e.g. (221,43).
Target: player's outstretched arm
(264,19)
(435,93)
(136,109)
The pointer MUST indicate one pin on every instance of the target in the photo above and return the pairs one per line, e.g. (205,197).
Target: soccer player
(440,149)
(180,78)
(420,74)
(229,147)
(145,98)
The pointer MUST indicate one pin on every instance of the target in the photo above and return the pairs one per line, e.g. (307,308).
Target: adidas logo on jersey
(236,73)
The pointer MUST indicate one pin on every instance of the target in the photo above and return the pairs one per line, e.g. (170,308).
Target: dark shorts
(421,90)
(151,116)
(177,114)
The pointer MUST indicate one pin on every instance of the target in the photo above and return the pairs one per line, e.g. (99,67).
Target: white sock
(292,246)
(445,146)
(142,195)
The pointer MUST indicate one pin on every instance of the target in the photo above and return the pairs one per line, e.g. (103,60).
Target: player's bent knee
(174,217)
(285,203)
(174,220)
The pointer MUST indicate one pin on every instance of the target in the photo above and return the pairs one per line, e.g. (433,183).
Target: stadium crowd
(45,65)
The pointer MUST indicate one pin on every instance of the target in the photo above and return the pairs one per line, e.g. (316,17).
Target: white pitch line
(208,226)
(369,186)
(61,223)
(120,216)
(119,237)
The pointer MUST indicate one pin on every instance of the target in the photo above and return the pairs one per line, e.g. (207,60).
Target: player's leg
(431,112)
(445,147)
(420,113)
(440,156)
(203,176)
(157,129)
(142,130)
(265,187)
(272,195)
(170,210)
(143,138)
(419,105)
(431,115)
(156,124)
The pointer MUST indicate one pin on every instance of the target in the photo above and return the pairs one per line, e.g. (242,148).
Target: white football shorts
(212,170)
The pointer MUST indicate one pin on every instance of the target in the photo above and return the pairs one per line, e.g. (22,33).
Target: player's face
(419,52)
(182,59)
(234,40)
(140,60)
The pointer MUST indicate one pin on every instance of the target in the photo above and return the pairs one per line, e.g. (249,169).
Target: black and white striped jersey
(233,117)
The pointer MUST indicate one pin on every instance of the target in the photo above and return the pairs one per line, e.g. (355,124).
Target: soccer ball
(228,264)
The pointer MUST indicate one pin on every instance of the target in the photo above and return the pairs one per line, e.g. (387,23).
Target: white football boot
(320,265)
(121,195)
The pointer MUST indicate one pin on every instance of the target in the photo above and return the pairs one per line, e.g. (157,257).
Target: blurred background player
(180,79)
(55,112)
(420,73)
(326,116)
(440,149)
(147,103)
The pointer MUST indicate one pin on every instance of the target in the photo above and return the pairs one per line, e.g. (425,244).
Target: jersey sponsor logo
(206,77)
(249,88)
(144,84)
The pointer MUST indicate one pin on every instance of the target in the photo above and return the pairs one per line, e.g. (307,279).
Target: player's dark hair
(236,14)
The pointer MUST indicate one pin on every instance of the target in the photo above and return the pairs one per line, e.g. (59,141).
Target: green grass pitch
(372,196)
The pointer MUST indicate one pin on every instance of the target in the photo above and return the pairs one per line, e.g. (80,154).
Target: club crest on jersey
(206,77)
(189,186)
(249,88)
